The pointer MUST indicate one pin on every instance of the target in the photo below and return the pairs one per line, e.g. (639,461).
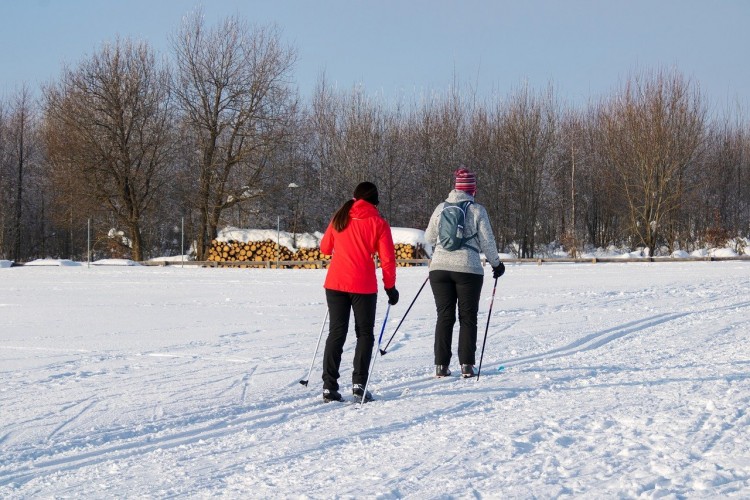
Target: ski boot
(331,395)
(358,390)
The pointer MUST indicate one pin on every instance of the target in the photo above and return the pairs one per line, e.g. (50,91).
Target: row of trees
(215,135)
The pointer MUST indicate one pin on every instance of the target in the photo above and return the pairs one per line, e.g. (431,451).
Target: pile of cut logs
(408,251)
(262,251)
(238,252)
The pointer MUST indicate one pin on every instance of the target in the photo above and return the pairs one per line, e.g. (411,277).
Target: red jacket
(352,268)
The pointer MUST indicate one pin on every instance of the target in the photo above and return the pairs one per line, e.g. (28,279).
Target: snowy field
(620,380)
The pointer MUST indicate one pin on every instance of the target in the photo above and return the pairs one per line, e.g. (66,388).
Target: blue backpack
(451,234)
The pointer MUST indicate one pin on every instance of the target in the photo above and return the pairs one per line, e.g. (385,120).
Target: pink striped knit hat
(466,181)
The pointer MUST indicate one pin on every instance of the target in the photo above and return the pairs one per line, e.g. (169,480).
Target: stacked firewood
(259,251)
(262,251)
(309,255)
(407,251)
(269,251)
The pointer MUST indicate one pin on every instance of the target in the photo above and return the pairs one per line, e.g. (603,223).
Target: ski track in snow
(620,380)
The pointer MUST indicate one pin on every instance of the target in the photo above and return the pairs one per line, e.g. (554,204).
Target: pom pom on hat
(466,181)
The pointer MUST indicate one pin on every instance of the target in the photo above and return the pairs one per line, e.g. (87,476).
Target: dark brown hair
(364,191)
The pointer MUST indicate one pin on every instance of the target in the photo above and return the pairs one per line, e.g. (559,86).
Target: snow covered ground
(620,380)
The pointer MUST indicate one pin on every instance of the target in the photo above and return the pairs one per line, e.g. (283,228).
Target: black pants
(451,288)
(340,305)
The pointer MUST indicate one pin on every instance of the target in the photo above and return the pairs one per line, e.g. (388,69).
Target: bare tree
(560,205)
(19,154)
(394,170)
(356,138)
(20,129)
(653,131)
(600,199)
(348,127)
(527,134)
(743,181)
(485,153)
(233,87)
(437,144)
(109,124)
(5,184)
(721,192)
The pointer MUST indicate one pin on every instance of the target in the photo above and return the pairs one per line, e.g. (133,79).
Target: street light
(293,187)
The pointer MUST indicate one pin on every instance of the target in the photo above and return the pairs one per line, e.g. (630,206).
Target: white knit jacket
(463,260)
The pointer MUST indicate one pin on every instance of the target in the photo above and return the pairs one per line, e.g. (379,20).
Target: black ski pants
(451,288)
(340,305)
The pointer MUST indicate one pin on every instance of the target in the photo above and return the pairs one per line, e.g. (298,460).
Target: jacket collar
(456,196)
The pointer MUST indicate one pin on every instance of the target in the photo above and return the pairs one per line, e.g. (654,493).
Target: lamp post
(294,187)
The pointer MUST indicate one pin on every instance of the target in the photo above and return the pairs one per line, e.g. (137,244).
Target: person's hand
(498,270)
(392,295)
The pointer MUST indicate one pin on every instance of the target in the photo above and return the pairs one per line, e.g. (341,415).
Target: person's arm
(326,243)
(387,255)
(486,237)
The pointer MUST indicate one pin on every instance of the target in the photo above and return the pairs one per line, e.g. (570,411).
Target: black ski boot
(442,371)
(468,371)
(358,390)
(331,395)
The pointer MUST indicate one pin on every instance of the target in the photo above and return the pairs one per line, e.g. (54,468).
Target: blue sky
(585,48)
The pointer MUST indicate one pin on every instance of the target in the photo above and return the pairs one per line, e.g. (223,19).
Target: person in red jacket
(356,233)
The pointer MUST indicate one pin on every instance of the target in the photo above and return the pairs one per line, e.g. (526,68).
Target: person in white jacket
(456,276)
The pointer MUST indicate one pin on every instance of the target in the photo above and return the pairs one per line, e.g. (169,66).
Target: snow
(70,263)
(723,252)
(173,258)
(409,236)
(307,240)
(53,262)
(114,262)
(6,263)
(284,238)
(621,380)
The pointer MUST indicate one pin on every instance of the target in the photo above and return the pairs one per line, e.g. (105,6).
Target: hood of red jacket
(363,209)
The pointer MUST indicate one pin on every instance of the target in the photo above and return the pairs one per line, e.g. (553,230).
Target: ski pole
(304,382)
(385,349)
(375,357)
(489,314)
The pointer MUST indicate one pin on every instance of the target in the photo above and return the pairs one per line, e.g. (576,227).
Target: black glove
(498,270)
(392,295)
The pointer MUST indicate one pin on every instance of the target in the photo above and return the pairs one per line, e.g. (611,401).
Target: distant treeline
(214,133)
